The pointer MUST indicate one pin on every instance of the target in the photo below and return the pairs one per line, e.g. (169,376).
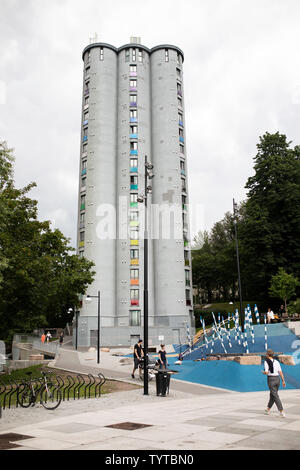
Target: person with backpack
(273,371)
(138,354)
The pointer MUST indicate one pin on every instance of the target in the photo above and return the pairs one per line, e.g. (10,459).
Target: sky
(241,79)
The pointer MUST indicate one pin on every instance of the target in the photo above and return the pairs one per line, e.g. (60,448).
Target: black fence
(71,388)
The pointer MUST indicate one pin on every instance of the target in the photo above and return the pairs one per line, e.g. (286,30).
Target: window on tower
(167,55)
(134,318)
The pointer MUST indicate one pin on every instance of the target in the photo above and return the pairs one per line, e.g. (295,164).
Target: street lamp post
(75,311)
(88,299)
(148,167)
(238,264)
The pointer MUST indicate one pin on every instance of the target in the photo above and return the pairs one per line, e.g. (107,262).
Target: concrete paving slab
(45,444)
(293,426)
(70,428)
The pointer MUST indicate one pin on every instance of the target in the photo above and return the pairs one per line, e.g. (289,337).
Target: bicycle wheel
(25,398)
(50,397)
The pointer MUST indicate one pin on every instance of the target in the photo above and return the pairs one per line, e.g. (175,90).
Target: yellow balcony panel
(134,242)
(81,244)
(134,261)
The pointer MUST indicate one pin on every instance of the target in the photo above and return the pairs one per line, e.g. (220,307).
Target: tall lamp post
(143,199)
(75,311)
(238,264)
(89,299)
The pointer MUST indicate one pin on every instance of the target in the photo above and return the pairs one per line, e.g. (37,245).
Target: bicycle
(50,395)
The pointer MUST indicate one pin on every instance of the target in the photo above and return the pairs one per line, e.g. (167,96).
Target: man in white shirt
(273,371)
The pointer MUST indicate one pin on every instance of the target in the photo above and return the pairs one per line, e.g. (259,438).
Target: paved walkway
(190,418)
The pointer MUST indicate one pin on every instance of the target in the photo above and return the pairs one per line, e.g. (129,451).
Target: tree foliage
(283,285)
(268,224)
(41,277)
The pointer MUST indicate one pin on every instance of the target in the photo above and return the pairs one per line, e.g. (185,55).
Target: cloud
(241,76)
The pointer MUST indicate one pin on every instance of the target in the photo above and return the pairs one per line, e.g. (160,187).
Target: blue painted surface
(231,375)
(133,152)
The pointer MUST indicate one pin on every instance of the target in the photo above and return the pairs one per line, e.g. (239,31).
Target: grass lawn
(83,391)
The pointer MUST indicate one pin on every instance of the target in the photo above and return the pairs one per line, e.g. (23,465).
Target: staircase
(294,326)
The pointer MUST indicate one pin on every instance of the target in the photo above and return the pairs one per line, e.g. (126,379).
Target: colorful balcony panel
(134,261)
(133,204)
(134,223)
(85,123)
(134,282)
(133,88)
(134,302)
(134,242)
(132,74)
(133,152)
(134,187)
(181,139)
(81,244)
(83,172)
(180,123)
(133,136)
(133,119)
(133,104)
(85,138)
(82,207)
(133,169)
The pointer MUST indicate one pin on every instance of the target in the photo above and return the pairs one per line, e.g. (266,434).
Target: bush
(294,307)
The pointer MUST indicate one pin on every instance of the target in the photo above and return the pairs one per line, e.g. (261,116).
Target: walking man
(273,372)
(137,356)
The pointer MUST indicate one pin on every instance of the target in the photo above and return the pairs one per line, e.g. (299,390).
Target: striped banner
(246,339)
(266,333)
(236,327)
(188,335)
(251,323)
(217,332)
(204,331)
(256,314)
(212,341)
(227,333)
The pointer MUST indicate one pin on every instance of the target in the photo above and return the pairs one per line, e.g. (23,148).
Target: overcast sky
(241,78)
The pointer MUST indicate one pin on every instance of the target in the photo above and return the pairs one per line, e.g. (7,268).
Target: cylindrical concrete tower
(97,192)
(133,107)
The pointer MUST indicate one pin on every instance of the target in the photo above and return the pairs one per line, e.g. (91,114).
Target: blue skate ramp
(231,375)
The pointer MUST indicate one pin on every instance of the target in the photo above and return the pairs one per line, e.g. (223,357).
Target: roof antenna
(94,39)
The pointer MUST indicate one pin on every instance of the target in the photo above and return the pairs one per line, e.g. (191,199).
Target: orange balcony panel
(134,282)
(134,261)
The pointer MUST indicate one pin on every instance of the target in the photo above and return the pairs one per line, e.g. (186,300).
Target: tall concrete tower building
(133,107)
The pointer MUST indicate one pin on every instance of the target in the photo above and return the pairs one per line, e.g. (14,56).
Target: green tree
(270,227)
(283,286)
(41,275)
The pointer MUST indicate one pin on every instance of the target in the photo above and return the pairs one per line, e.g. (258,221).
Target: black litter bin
(162,383)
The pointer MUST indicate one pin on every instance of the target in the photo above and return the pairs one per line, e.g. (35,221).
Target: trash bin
(162,383)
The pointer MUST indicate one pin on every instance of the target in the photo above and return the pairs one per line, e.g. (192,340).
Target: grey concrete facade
(132,103)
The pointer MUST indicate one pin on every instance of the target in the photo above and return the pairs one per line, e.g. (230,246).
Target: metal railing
(71,388)
(35,341)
